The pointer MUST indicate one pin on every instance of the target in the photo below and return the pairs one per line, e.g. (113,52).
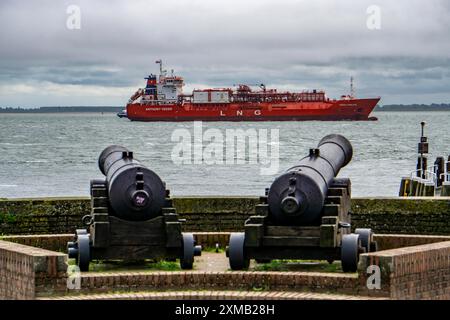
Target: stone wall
(428,216)
(419,272)
(26,272)
(225,214)
(43,215)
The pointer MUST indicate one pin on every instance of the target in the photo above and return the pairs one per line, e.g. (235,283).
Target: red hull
(353,109)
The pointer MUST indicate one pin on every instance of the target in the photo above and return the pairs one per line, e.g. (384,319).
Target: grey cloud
(219,43)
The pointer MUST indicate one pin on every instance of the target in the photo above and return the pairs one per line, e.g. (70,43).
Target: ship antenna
(352,88)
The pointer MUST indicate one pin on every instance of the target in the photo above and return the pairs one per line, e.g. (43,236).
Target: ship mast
(162,72)
(160,65)
(352,88)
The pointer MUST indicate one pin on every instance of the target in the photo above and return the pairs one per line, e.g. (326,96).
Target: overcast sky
(293,45)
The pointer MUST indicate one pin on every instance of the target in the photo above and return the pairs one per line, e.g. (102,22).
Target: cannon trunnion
(305,214)
(132,217)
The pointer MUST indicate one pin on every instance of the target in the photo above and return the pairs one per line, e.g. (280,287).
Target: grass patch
(143,265)
(299,265)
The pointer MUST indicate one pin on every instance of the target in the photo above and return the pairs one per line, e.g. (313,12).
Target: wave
(21,144)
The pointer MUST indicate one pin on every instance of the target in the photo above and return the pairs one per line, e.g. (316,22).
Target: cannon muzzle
(297,196)
(135,193)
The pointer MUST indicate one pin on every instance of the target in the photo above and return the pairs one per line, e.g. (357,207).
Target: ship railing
(157,102)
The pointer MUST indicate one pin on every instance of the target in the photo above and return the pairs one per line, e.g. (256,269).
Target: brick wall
(26,272)
(52,242)
(58,242)
(419,272)
(225,214)
(393,241)
(384,241)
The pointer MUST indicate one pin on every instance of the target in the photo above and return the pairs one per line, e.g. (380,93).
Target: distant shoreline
(61,110)
(414,107)
(80,109)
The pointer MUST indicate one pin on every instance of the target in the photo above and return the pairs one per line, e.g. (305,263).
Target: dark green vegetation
(144,265)
(298,265)
(215,214)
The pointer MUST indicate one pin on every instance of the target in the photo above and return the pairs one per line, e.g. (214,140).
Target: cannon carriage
(132,217)
(305,214)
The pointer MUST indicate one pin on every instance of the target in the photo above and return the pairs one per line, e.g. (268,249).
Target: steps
(211,295)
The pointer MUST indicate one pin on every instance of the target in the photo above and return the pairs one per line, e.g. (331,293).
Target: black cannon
(131,218)
(305,214)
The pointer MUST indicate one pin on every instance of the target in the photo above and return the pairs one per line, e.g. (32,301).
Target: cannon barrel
(135,193)
(297,196)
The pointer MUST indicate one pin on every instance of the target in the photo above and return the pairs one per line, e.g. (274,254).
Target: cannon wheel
(365,235)
(187,260)
(81,231)
(84,252)
(350,252)
(236,252)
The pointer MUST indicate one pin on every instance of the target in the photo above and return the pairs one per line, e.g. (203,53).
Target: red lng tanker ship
(163,100)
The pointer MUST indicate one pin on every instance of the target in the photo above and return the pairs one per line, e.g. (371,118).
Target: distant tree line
(60,109)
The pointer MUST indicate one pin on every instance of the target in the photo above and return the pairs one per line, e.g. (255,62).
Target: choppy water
(56,154)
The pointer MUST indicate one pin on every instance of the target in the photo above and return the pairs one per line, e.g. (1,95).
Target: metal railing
(446,174)
(430,174)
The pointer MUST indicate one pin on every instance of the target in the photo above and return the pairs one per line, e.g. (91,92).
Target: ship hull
(339,110)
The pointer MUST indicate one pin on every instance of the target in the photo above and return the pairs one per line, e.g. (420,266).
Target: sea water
(56,154)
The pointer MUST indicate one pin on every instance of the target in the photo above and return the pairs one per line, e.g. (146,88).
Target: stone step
(101,282)
(212,295)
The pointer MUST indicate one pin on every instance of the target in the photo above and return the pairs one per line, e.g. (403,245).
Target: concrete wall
(224,214)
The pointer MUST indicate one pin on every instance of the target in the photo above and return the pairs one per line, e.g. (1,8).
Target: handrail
(431,175)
